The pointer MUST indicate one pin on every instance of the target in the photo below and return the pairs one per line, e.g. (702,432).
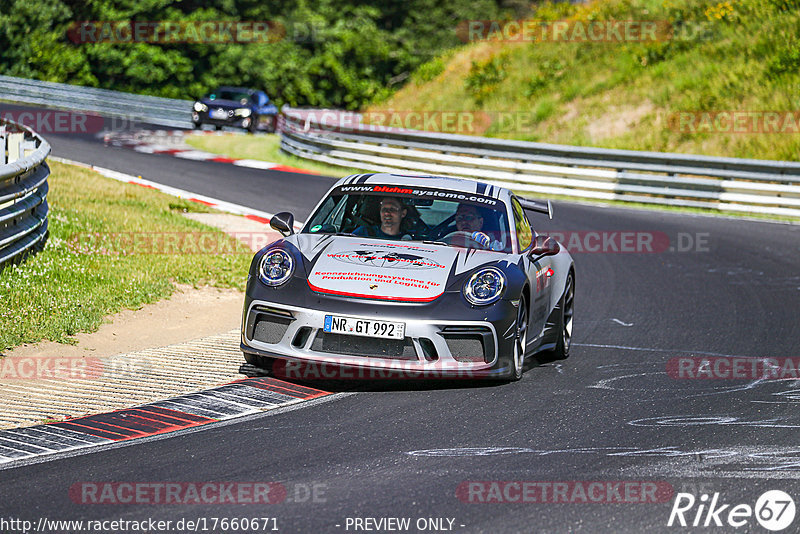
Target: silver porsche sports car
(420,275)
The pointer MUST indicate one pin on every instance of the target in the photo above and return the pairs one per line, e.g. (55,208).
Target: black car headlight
(199,106)
(242,112)
(276,267)
(485,286)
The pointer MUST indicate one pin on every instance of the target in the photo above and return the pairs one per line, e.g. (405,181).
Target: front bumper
(233,121)
(473,344)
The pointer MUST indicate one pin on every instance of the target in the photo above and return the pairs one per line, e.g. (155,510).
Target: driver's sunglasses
(389,209)
(468,218)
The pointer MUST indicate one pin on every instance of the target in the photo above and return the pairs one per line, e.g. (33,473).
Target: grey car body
(427,282)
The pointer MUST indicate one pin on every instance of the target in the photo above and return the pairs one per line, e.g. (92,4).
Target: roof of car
(240,89)
(439,182)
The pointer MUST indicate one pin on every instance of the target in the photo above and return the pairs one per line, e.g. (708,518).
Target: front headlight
(199,106)
(276,267)
(243,112)
(485,286)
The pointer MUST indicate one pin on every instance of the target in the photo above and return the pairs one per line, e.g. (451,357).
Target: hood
(224,104)
(383,270)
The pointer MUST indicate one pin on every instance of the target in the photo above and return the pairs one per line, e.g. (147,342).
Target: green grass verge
(262,147)
(72,285)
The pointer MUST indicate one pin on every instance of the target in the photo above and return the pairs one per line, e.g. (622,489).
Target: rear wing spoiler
(537,205)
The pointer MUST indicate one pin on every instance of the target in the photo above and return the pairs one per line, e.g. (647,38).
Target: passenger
(392,214)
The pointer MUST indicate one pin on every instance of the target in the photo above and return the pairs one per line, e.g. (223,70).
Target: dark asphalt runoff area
(623,436)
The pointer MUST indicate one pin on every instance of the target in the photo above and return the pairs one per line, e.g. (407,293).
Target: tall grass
(739,56)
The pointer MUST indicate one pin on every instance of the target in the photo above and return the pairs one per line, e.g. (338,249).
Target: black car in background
(237,107)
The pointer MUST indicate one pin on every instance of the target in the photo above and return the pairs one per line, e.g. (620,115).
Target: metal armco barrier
(729,184)
(23,191)
(152,109)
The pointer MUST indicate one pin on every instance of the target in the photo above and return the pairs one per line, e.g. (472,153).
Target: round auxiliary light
(276,267)
(485,286)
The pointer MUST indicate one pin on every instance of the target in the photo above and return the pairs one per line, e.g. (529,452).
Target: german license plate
(219,114)
(337,324)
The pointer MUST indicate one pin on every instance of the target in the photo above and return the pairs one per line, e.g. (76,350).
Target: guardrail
(23,191)
(728,184)
(170,112)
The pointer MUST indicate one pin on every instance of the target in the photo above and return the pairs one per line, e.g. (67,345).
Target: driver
(392,214)
(468,219)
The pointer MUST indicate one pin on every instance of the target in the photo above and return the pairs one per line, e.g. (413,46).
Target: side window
(524,232)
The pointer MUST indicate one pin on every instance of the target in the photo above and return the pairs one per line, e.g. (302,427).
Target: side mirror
(544,245)
(283,222)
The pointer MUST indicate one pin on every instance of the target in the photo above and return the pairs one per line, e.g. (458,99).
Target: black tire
(253,126)
(197,125)
(566,312)
(217,127)
(272,125)
(520,341)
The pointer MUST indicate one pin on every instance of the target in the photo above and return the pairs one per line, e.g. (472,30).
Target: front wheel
(520,341)
(253,126)
(272,124)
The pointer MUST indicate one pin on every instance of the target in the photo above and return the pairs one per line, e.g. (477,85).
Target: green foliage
(548,71)
(429,70)
(708,56)
(786,59)
(335,53)
(485,77)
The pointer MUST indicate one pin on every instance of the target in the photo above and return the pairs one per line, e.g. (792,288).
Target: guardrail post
(3,134)
(27,148)
(23,192)
(14,142)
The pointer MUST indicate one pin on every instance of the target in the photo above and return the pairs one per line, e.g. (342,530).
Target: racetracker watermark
(733,368)
(439,121)
(564,492)
(127,243)
(71,367)
(630,241)
(159,493)
(565,31)
(50,368)
(378,370)
(173,32)
(56,122)
(735,122)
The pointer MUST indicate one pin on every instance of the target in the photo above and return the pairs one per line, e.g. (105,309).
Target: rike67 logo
(774,510)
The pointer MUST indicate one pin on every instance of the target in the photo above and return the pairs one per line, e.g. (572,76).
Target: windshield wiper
(436,243)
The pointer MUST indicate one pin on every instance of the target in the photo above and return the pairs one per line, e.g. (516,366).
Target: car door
(538,272)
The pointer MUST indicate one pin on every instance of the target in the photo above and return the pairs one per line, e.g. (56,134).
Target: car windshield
(224,94)
(414,214)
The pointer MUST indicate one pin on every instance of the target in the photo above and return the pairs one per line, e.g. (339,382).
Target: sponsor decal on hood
(382,270)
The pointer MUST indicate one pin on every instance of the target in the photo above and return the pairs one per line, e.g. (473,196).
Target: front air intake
(469,344)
